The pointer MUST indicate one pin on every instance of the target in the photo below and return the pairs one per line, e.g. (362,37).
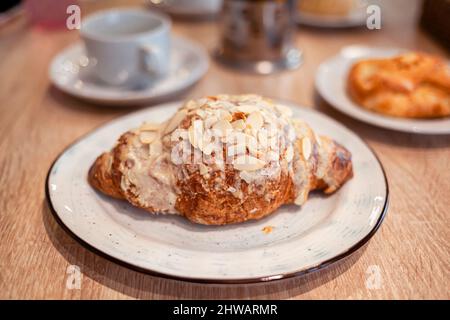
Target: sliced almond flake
(292,135)
(262,139)
(220,165)
(222,127)
(175,121)
(252,145)
(238,124)
(179,133)
(208,148)
(248,97)
(155,148)
(254,151)
(246,108)
(226,104)
(210,121)
(172,199)
(149,126)
(223,96)
(236,149)
(191,104)
(147,137)
(166,140)
(196,133)
(248,131)
(272,156)
(289,153)
(272,142)
(248,163)
(226,138)
(238,194)
(301,198)
(224,115)
(255,133)
(237,137)
(202,101)
(318,139)
(207,137)
(301,128)
(306,147)
(203,169)
(284,110)
(255,120)
(201,113)
(268,116)
(246,176)
(191,134)
(271,129)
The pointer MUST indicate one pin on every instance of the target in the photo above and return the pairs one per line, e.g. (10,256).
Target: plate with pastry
(392,88)
(221,189)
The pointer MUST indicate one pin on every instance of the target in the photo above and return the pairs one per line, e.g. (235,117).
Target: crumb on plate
(267,229)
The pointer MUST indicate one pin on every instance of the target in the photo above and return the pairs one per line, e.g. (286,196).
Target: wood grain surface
(408,257)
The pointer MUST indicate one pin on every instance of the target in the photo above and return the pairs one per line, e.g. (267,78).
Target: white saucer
(69,73)
(356,19)
(331,79)
(304,239)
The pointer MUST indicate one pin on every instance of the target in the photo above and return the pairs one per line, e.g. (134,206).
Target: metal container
(258,35)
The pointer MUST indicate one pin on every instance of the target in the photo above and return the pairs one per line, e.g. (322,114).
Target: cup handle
(152,59)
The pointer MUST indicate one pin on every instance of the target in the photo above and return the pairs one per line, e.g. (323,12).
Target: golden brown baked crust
(412,85)
(101,176)
(222,196)
(218,206)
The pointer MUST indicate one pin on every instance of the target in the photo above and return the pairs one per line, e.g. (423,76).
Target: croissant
(220,160)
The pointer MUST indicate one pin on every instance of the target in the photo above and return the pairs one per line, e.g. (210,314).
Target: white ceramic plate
(331,80)
(356,19)
(189,62)
(323,231)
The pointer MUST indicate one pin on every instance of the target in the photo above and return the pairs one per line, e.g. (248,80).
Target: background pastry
(412,85)
(328,7)
(222,159)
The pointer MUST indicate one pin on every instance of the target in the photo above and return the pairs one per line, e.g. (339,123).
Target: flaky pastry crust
(412,85)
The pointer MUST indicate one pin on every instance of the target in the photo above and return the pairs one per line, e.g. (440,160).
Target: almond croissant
(220,160)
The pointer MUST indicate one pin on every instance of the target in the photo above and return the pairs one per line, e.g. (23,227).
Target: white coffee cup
(125,45)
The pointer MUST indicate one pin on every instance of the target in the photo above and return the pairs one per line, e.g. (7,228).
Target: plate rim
(265,279)
(336,106)
(140,100)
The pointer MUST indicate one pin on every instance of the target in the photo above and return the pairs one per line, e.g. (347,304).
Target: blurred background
(40,26)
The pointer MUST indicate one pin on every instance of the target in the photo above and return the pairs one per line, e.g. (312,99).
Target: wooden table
(410,252)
